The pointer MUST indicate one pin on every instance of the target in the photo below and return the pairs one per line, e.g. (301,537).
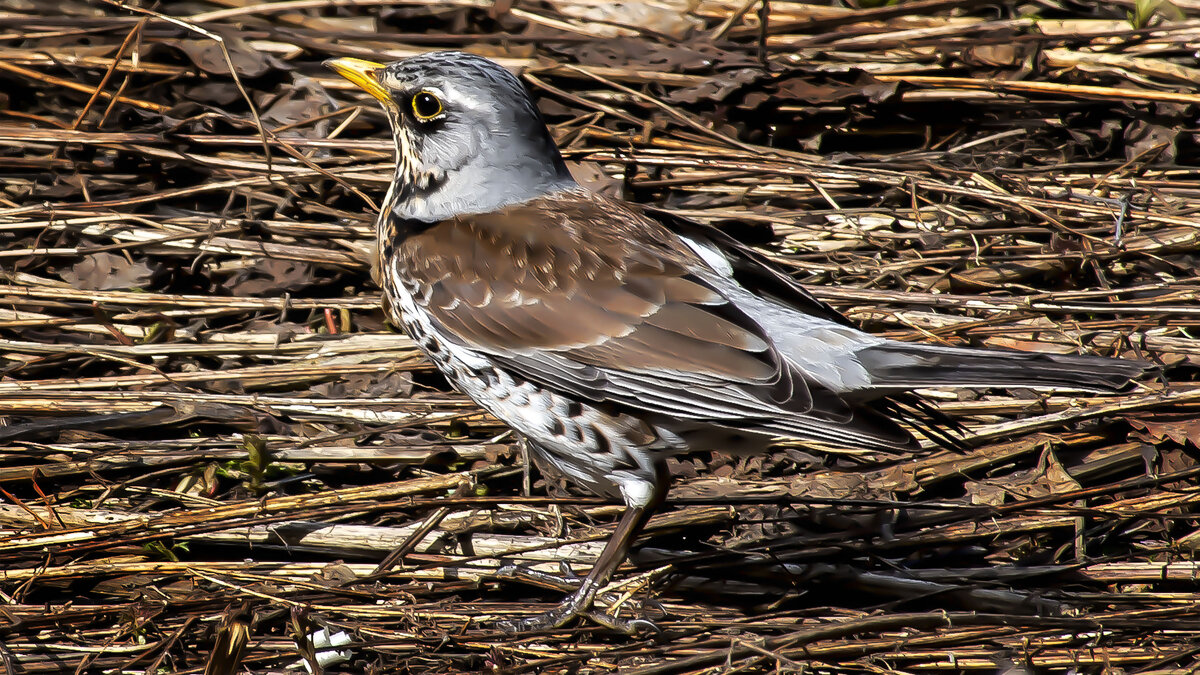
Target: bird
(612,335)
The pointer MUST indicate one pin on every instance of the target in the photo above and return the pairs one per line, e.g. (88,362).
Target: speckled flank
(611,454)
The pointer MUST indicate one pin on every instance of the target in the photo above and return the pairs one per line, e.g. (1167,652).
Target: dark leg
(579,603)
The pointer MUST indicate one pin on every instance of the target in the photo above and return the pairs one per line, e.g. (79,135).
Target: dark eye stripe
(426,106)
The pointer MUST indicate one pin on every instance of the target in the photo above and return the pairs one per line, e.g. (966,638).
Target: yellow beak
(363,73)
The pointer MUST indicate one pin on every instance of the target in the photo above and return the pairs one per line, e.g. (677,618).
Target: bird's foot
(562,615)
(577,604)
(567,611)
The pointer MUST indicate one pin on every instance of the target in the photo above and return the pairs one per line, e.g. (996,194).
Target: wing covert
(592,298)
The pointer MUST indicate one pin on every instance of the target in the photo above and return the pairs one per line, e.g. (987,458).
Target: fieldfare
(612,335)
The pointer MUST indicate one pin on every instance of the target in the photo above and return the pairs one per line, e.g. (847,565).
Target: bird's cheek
(426,156)
(481,138)
(455,150)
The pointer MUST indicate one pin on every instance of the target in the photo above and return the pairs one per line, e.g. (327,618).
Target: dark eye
(426,106)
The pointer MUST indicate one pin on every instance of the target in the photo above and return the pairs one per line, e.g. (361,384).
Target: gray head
(468,137)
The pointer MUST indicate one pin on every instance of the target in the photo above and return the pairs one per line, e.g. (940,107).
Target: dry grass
(210,439)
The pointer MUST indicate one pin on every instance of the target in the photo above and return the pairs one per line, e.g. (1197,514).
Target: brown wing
(587,296)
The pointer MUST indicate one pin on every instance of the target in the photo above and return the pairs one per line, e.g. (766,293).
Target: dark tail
(904,366)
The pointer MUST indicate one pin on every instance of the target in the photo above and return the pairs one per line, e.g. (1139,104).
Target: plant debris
(211,442)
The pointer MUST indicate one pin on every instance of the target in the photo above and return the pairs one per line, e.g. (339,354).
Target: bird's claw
(564,613)
(577,604)
(626,626)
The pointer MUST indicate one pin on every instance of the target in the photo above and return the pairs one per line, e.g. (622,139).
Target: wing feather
(587,296)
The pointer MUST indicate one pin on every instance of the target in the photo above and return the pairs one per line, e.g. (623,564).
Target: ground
(210,438)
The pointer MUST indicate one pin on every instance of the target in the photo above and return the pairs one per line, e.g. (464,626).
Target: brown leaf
(815,88)
(716,88)
(207,56)
(105,271)
(1182,429)
(1143,137)
(1047,478)
(1004,54)
(272,277)
(668,17)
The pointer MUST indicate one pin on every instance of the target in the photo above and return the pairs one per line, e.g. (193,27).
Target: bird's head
(468,137)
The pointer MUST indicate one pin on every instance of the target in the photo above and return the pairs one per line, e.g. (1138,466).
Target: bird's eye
(426,106)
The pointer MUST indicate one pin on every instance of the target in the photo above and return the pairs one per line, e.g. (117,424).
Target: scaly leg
(579,603)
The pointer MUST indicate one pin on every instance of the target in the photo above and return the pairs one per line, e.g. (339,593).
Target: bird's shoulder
(582,273)
(551,243)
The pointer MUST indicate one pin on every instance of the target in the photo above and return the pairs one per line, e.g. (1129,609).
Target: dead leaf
(271,277)
(666,17)
(716,88)
(1047,478)
(105,271)
(996,55)
(207,56)
(1182,429)
(1143,138)
(815,88)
